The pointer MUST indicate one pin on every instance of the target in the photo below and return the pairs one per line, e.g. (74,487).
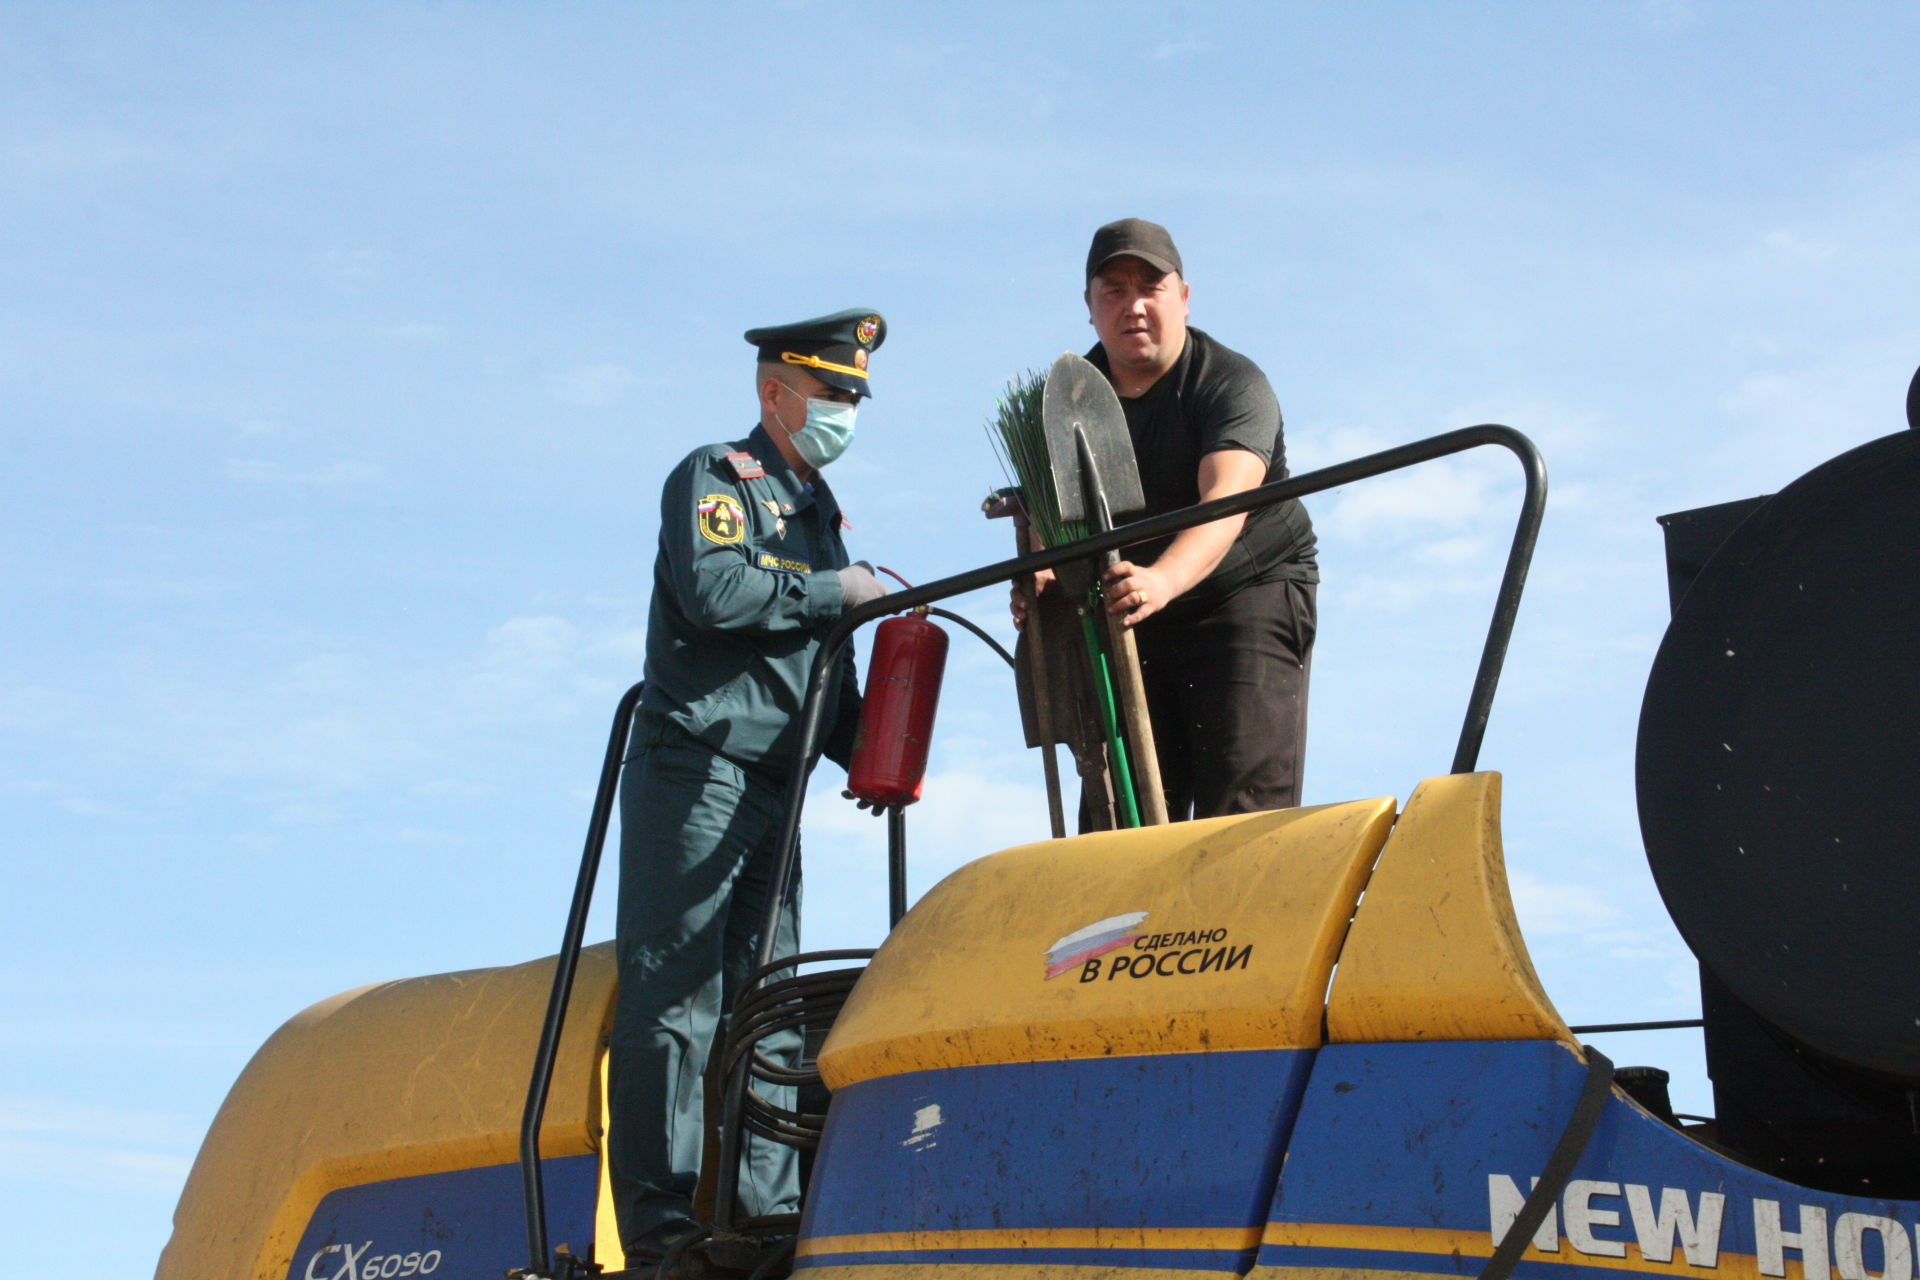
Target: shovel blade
(1079,396)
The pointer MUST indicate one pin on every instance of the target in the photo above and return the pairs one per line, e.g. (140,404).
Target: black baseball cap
(1133,238)
(832,348)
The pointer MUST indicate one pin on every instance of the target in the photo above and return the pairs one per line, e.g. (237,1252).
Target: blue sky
(342,350)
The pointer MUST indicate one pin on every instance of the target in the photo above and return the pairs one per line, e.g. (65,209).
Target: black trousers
(1227,691)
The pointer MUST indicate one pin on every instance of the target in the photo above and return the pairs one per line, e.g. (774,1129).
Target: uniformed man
(750,574)
(1225,610)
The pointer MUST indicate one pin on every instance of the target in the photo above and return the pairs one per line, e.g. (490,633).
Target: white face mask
(826,433)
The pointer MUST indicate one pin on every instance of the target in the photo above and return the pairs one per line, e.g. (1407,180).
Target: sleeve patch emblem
(722,519)
(746,466)
(770,561)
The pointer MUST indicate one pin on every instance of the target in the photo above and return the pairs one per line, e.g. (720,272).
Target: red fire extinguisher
(896,718)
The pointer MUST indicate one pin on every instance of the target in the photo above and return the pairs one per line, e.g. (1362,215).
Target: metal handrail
(1479,701)
(533,1193)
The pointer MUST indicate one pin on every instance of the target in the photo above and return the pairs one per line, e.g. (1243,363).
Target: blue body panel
(465,1224)
(1405,1157)
(1172,1156)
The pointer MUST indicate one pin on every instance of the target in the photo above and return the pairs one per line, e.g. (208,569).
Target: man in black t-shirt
(1225,611)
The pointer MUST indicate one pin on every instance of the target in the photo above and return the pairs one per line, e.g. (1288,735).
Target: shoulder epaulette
(746,466)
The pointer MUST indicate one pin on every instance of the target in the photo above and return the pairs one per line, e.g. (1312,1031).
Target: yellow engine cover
(394,1081)
(1219,934)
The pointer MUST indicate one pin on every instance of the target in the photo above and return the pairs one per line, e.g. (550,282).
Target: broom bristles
(1020,439)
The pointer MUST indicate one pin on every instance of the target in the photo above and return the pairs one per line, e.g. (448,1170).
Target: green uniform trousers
(697,835)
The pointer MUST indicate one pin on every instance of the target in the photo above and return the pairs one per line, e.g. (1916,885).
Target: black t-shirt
(1215,398)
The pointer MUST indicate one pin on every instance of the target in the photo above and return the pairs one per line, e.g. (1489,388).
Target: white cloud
(1784,420)
(415,331)
(1453,552)
(624,647)
(334,475)
(303,719)
(541,642)
(305,813)
(436,837)
(1182,48)
(453,791)
(966,814)
(351,270)
(65,796)
(256,471)
(542,667)
(163,590)
(345,473)
(1448,494)
(1559,431)
(1323,446)
(1668,15)
(527,663)
(93,1145)
(1406,594)
(1636,951)
(95,1167)
(1796,247)
(33,707)
(22,1115)
(593,386)
(1549,908)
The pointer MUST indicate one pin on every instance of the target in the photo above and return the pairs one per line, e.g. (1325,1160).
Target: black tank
(1779,790)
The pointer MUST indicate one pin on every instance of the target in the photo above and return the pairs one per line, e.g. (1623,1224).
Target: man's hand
(1136,592)
(1024,595)
(858,585)
(873,807)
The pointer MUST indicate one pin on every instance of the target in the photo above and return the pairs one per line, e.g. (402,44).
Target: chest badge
(721,519)
(779,522)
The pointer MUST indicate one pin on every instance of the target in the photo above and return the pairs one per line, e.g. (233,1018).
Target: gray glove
(858,585)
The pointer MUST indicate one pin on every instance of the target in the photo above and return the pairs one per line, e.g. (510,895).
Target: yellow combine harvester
(1305,1043)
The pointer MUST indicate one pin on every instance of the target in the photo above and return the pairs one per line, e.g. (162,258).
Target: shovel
(1096,480)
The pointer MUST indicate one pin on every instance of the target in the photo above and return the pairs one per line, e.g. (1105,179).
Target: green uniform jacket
(744,588)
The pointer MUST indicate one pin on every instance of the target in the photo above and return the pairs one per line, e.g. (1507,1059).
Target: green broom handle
(1110,719)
